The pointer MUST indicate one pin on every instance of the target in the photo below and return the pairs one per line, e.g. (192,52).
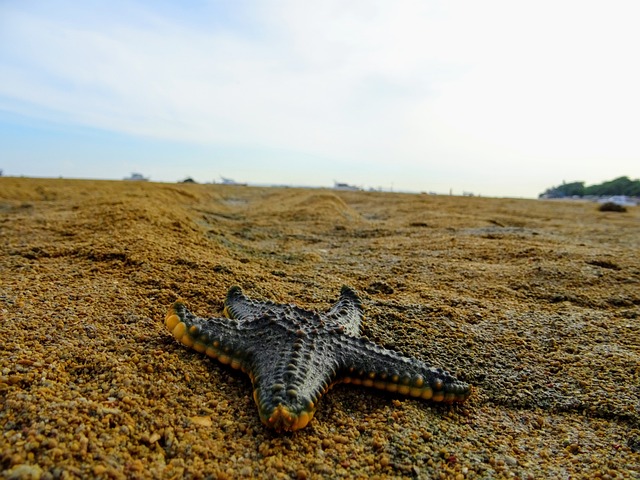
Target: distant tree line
(619,186)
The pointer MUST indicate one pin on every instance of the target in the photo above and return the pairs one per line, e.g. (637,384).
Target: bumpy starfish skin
(293,356)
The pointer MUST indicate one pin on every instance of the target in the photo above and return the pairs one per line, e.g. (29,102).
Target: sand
(535,303)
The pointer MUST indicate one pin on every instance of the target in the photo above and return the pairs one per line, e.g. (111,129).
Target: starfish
(293,356)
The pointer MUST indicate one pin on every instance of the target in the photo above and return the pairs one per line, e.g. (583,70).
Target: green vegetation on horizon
(619,186)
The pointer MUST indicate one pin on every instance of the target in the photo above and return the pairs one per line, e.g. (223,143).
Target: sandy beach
(534,303)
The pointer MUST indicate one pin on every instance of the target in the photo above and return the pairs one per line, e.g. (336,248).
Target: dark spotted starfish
(293,356)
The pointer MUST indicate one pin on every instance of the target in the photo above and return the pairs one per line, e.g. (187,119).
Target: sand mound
(309,206)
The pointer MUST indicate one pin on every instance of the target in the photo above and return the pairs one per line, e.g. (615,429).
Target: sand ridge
(535,303)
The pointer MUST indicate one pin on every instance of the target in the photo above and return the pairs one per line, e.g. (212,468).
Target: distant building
(345,186)
(230,181)
(137,177)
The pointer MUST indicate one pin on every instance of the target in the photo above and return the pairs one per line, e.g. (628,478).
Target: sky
(495,98)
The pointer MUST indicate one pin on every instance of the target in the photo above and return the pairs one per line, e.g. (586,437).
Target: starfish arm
(239,307)
(347,311)
(220,338)
(365,363)
(288,385)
